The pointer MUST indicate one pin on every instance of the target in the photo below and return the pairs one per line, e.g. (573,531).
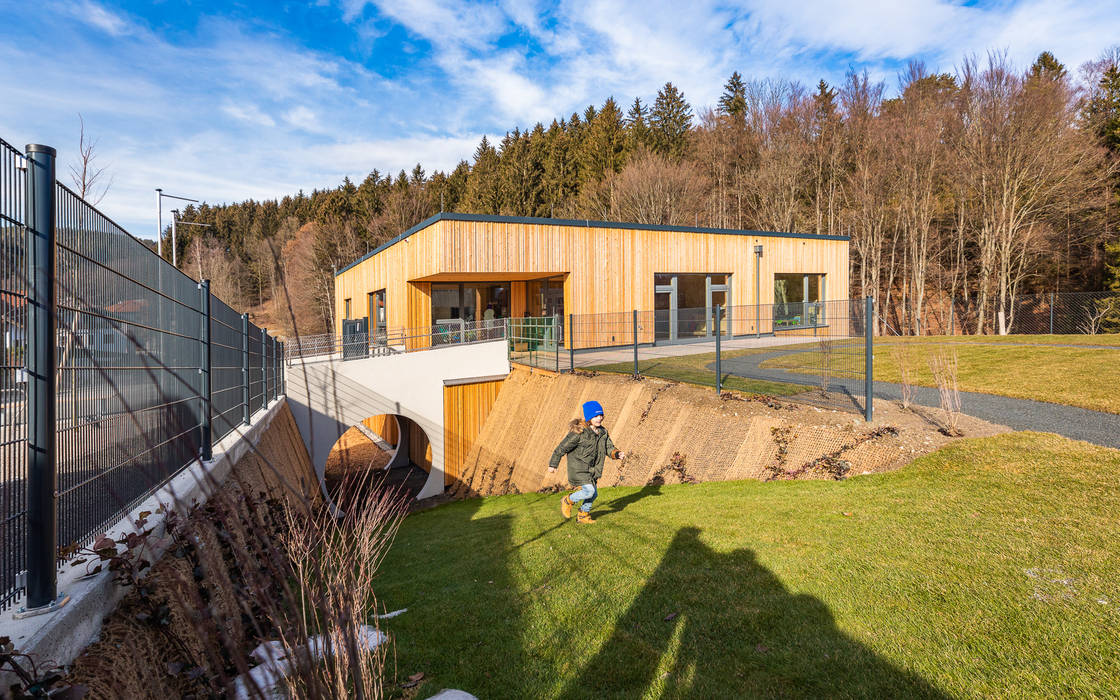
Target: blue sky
(224,101)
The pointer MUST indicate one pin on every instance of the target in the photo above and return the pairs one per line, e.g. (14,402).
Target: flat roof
(540,220)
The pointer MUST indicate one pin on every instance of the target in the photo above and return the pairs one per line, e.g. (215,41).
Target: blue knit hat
(592,409)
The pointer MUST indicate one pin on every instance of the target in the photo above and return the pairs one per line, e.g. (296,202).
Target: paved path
(1021,414)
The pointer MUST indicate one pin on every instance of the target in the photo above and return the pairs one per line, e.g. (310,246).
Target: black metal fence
(146,371)
(812,352)
(13,323)
(1061,313)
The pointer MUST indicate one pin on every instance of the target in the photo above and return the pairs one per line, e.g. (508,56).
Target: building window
(545,297)
(377,315)
(685,304)
(346,309)
(470,301)
(798,300)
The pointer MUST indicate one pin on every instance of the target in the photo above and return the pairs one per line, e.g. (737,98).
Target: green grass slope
(988,569)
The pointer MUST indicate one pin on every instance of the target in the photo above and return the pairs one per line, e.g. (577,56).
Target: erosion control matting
(675,432)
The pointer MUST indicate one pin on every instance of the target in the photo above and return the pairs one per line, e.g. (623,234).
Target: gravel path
(1021,414)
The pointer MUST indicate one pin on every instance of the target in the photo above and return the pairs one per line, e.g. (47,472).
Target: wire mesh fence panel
(256,371)
(810,352)
(128,405)
(13,415)
(536,341)
(226,379)
(1059,313)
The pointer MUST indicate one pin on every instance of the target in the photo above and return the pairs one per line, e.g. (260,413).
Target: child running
(587,445)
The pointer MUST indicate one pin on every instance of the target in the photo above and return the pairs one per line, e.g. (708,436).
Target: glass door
(665,308)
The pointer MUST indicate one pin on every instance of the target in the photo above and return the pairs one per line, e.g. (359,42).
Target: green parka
(586,450)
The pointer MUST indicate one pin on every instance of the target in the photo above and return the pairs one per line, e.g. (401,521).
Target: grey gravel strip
(1073,422)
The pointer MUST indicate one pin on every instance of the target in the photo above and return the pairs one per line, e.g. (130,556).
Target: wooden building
(482,268)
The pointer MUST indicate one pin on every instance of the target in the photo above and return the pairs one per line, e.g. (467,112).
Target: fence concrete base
(58,638)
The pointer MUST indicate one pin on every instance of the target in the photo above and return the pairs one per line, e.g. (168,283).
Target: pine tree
(670,121)
(733,102)
(603,151)
(1102,111)
(483,188)
(637,125)
(1046,66)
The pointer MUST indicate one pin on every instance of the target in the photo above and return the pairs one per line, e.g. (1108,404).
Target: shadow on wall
(505,612)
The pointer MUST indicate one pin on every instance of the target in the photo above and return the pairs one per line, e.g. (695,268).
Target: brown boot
(584,518)
(566,507)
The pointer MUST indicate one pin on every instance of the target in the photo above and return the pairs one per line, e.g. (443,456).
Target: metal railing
(814,352)
(120,370)
(394,340)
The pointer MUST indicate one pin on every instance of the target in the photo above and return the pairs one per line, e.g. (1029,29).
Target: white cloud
(230,110)
(96,16)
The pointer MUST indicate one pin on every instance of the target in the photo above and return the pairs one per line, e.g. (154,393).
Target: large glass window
(471,301)
(684,305)
(544,297)
(797,300)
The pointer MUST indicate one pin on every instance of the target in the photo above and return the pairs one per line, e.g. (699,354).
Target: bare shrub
(901,353)
(826,348)
(252,571)
(1104,314)
(943,366)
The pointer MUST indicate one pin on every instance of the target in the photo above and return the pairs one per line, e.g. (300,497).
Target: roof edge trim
(586,223)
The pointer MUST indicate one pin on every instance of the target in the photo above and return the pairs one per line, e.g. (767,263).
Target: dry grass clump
(943,367)
(243,569)
(826,348)
(901,353)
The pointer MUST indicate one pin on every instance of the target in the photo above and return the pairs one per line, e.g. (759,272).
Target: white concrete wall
(330,396)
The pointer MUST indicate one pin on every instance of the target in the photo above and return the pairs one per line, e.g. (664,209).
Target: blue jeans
(586,493)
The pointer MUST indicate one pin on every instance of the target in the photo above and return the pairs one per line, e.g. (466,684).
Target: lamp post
(758,291)
(159,216)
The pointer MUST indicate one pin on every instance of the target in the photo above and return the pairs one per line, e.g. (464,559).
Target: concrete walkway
(1096,427)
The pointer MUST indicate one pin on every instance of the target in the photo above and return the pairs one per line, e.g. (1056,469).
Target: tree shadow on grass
(708,625)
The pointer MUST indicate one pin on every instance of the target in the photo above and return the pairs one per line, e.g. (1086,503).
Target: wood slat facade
(606,268)
(465,409)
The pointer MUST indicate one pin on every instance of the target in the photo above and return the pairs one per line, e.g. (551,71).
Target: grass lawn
(987,569)
(693,369)
(1085,377)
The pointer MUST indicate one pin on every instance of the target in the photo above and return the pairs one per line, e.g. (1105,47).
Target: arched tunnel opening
(386,450)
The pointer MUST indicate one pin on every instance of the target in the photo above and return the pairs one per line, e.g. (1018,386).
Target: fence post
(1051,313)
(42,477)
(245,369)
(206,448)
(283,371)
(264,368)
(571,343)
(719,370)
(557,325)
(868,353)
(635,329)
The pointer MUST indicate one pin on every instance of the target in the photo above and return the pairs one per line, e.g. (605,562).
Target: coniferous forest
(986,183)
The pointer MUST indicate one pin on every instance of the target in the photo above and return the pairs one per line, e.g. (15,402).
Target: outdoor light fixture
(757,291)
(159,216)
(174,245)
